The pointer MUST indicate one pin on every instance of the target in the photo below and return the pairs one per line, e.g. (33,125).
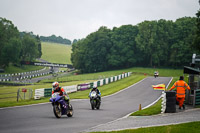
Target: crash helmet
(55,85)
(94,88)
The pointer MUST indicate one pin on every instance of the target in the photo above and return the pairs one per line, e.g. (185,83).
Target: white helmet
(55,85)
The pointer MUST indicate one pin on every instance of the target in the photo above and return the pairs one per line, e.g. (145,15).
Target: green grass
(191,127)
(24,68)
(56,53)
(162,72)
(152,110)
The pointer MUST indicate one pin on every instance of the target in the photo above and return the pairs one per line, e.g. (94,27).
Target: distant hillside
(56,53)
(55,39)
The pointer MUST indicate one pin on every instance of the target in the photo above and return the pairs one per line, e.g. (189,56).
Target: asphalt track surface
(40,118)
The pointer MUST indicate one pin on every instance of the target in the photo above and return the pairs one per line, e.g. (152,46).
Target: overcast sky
(75,19)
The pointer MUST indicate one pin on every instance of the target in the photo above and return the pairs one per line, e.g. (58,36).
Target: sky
(75,19)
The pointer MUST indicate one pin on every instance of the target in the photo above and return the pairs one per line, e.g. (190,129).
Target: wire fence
(20,94)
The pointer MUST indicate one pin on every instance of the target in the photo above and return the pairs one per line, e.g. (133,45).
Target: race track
(40,118)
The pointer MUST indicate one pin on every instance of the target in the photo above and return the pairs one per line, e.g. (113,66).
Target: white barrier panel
(70,89)
(125,75)
(111,79)
(101,82)
(106,80)
(122,76)
(39,93)
(115,78)
(95,84)
(119,77)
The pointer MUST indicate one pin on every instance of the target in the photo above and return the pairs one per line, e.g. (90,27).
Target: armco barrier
(196,97)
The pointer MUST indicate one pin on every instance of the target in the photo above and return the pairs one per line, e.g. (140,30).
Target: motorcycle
(94,100)
(156,75)
(60,107)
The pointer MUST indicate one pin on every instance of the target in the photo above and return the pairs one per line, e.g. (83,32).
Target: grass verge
(13,69)
(152,110)
(191,127)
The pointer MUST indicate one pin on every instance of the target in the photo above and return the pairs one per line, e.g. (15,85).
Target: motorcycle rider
(156,73)
(61,91)
(97,91)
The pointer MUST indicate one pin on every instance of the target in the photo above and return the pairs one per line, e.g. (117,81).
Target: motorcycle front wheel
(70,111)
(93,104)
(57,110)
(98,105)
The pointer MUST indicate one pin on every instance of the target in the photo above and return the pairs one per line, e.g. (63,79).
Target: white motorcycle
(94,100)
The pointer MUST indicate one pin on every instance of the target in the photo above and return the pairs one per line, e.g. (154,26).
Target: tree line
(16,46)
(55,39)
(161,43)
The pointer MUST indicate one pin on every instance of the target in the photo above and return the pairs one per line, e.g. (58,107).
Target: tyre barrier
(170,102)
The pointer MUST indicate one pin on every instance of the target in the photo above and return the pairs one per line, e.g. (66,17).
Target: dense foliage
(159,43)
(55,39)
(14,46)
(196,42)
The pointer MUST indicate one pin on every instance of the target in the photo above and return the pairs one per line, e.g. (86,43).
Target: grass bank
(13,69)
(191,127)
(56,53)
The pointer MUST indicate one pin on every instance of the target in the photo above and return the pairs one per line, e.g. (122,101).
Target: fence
(8,95)
(24,94)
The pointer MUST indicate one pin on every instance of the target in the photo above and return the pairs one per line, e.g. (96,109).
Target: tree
(29,48)
(90,54)
(9,43)
(181,49)
(146,41)
(54,38)
(123,51)
(39,46)
(196,42)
